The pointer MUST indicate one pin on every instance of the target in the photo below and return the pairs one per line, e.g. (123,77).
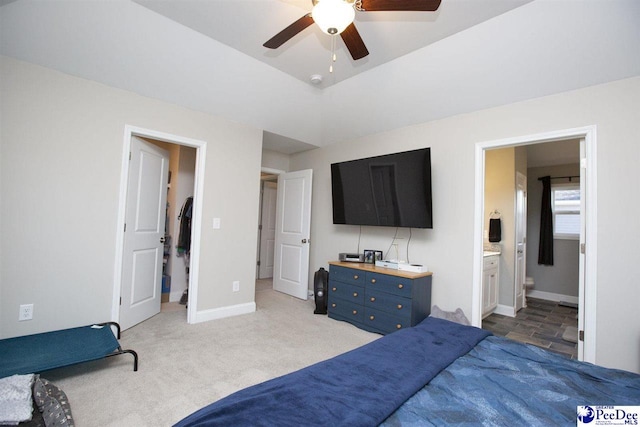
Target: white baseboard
(550,296)
(505,310)
(220,313)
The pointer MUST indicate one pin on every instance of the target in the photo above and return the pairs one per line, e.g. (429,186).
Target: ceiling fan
(336,17)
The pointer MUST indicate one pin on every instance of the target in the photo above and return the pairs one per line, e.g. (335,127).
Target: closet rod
(561,177)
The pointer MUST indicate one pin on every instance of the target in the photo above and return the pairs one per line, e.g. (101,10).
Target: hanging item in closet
(495,227)
(184,238)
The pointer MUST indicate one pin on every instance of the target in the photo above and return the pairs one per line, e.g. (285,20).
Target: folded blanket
(16,399)
(359,388)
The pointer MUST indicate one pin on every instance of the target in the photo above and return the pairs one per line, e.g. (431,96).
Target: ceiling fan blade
(398,5)
(352,39)
(288,33)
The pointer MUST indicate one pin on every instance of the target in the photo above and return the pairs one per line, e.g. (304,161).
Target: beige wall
(448,249)
(61,154)
(499,194)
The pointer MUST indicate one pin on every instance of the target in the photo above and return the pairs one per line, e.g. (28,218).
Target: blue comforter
(505,383)
(358,388)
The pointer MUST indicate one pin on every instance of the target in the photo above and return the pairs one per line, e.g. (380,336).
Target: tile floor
(541,323)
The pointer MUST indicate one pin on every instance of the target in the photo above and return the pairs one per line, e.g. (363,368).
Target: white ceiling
(246,24)
(536,49)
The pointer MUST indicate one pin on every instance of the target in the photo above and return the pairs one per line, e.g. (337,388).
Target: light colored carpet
(185,367)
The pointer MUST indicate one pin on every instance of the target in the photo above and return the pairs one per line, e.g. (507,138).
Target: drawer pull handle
(373,299)
(399,306)
(398,326)
(355,311)
(356,277)
(355,294)
(373,280)
(400,286)
(333,305)
(334,289)
(372,317)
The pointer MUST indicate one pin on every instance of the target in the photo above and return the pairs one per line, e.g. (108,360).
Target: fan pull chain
(333,53)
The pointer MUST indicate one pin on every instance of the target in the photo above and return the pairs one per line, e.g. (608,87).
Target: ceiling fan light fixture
(333,16)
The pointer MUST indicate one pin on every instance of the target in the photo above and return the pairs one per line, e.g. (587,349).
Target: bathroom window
(565,202)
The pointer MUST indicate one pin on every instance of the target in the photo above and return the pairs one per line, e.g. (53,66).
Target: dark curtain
(545,251)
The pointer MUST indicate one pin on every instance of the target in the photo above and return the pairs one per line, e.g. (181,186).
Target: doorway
(587,285)
(177,249)
(267,225)
(131,133)
(291,232)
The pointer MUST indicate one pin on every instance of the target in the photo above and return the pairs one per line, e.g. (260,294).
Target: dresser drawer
(346,310)
(346,291)
(392,304)
(384,321)
(390,284)
(377,299)
(346,275)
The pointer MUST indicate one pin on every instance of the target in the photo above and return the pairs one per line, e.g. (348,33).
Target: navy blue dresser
(378,299)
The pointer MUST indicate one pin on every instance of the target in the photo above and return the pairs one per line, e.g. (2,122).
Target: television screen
(392,190)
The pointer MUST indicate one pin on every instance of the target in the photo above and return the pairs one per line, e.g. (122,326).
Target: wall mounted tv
(392,190)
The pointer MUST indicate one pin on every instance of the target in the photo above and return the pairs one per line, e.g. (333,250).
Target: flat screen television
(392,190)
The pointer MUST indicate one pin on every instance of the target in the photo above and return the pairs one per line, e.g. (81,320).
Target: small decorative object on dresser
(378,299)
(371,256)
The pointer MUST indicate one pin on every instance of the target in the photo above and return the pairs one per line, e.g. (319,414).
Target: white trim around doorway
(588,308)
(194,268)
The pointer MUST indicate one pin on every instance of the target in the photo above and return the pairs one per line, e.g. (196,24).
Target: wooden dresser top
(381,270)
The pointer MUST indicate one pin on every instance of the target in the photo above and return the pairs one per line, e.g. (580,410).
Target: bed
(40,352)
(435,373)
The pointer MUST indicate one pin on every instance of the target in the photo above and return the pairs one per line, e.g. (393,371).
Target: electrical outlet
(236,286)
(26,312)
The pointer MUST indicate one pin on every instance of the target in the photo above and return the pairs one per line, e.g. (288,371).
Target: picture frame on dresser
(371,256)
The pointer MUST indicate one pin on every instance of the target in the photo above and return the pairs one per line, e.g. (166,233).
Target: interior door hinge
(125,227)
(581,335)
(583,248)
(258,263)
(129,155)
(120,300)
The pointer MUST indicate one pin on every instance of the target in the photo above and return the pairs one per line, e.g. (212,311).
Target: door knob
(162,239)
(304,240)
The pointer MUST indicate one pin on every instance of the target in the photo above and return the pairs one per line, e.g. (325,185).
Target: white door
(293,226)
(582,247)
(521,241)
(268,229)
(144,233)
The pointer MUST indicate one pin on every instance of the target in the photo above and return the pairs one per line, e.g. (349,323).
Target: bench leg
(135,357)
